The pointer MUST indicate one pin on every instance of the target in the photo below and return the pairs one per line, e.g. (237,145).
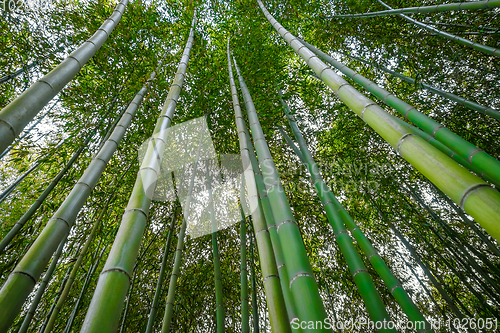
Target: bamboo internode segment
(462,151)
(275,301)
(16,115)
(107,303)
(302,284)
(480,47)
(470,192)
(20,283)
(429,9)
(245,325)
(338,216)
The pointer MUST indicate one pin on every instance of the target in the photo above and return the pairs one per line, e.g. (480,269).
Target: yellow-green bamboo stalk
(472,194)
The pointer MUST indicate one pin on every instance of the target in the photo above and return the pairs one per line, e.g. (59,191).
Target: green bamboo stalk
(81,256)
(482,48)
(452,97)
(476,197)
(161,277)
(16,115)
(86,283)
(273,233)
(302,284)
(169,307)
(339,219)
(107,302)
(127,303)
(473,5)
(272,286)
(20,283)
(38,202)
(468,222)
(41,289)
(215,249)
(480,161)
(245,327)
(8,149)
(255,310)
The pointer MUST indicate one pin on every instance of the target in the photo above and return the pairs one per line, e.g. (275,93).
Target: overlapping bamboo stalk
(340,219)
(476,159)
(472,194)
(275,302)
(302,284)
(20,283)
(473,5)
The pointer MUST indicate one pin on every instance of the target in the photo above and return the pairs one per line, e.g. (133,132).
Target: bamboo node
(296,276)
(283,222)
(400,142)
(469,191)
(364,109)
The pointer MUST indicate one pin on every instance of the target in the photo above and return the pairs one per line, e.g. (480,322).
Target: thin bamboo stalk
(216,255)
(473,5)
(255,310)
(339,219)
(272,286)
(20,283)
(161,277)
(476,197)
(302,284)
(452,97)
(482,48)
(481,162)
(245,327)
(81,256)
(16,115)
(38,202)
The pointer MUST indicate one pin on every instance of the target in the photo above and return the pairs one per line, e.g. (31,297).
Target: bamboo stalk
(470,192)
(479,47)
(16,115)
(272,286)
(452,97)
(473,5)
(161,277)
(480,161)
(302,284)
(20,283)
(107,302)
(245,327)
(339,219)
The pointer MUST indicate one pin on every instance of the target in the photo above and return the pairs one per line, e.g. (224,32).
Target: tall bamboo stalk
(476,197)
(273,233)
(172,287)
(245,327)
(161,276)
(480,47)
(302,284)
(272,286)
(339,219)
(473,5)
(20,283)
(481,162)
(16,115)
(452,97)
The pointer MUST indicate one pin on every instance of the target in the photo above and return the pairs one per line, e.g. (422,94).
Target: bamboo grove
(368,135)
